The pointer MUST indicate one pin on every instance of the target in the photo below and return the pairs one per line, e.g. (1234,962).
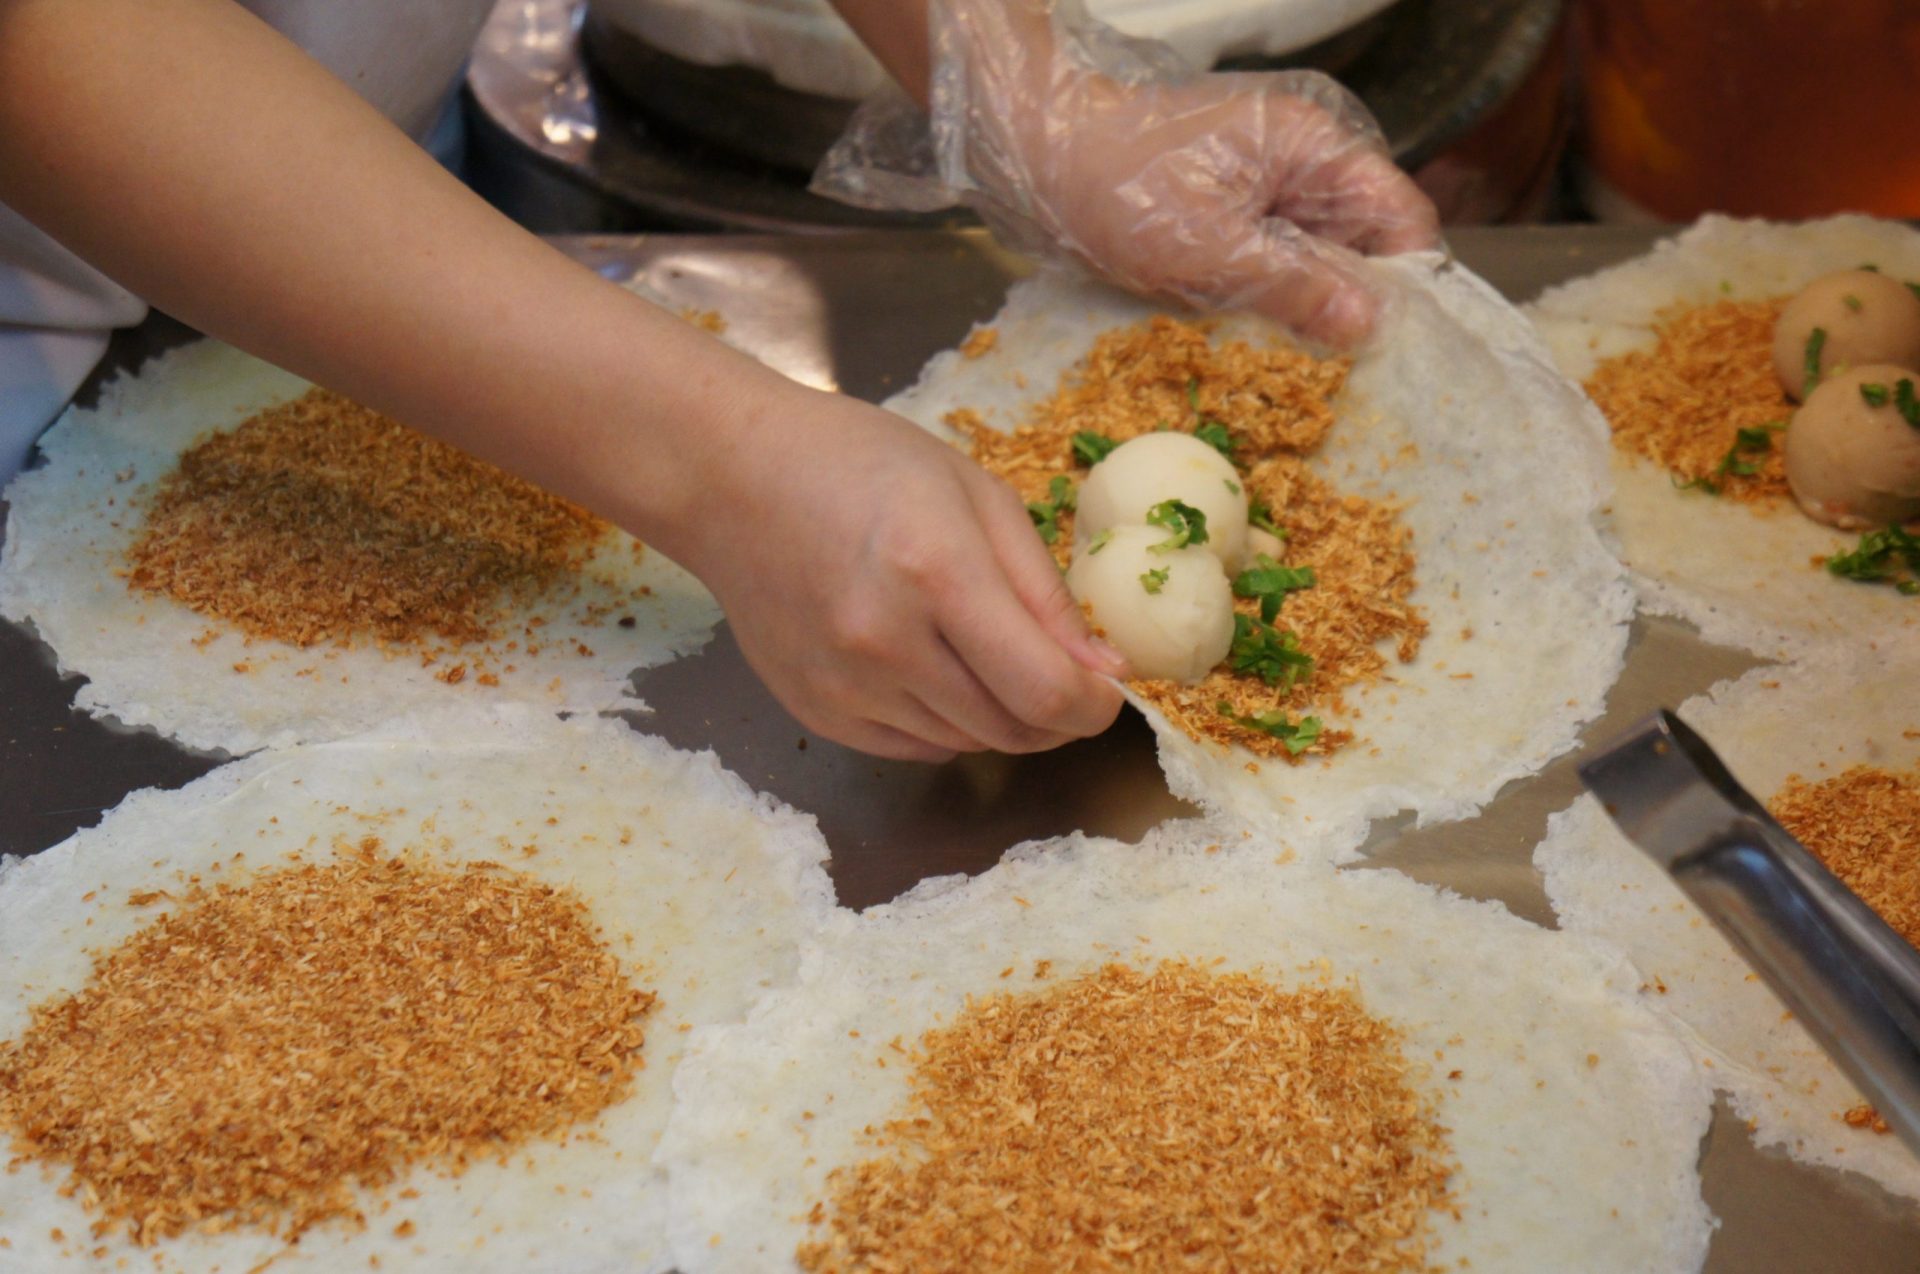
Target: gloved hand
(1232,190)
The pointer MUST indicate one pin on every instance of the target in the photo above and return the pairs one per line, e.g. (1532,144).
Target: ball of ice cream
(1153,468)
(1169,611)
(1853,457)
(1852,318)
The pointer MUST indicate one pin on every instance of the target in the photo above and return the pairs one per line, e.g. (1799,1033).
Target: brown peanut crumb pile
(1683,403)
(1178,1119)
(1864,824)
(319,520)
(252,1056)
(1277,405)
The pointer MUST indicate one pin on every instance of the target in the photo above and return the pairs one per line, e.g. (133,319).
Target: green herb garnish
(1046,515)
(1215,435)
(1233,488)
(1270,582)
(1260,518)
(1747,443)
(1090,448)
(1099,542)
(1273,656)
(1852,302)
(1904,400)
(1297,735)
(1874,395)
(1878,556)
(1155,580)
(1914,288)
(1816,341)
(1188,524)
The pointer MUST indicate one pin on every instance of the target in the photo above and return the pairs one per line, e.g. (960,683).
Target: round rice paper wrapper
(1455,412)
(151,661)
(704,890)
(1815,721)
(1575,1116)
(1745,575)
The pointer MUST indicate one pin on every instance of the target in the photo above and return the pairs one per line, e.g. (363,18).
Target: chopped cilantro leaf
(1868,266)
(1156,579)
(1903,399)
(1269,581)
(1260,517)
(1215,435)
(1297,735)
(1816,341)
(1738,461)
(1090,448)
(1099,542)
(1914,288)
(1193,393)
(1233,488)
(1061,498)
(1273,656)
(1878,556)
(1876,395)
(1188,524)
(1694,484)
(1852,302)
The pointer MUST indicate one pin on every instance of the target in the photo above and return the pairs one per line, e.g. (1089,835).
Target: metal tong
(1850,979)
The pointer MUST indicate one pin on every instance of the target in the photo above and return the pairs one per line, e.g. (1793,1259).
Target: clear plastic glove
(894,596)
(1232,190)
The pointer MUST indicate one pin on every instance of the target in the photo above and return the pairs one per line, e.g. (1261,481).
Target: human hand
(1250,191)
(1242,191)
(891,593)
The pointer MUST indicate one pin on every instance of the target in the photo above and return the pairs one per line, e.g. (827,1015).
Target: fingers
(1004,675)
(1025,669)
(884,741)
(959,699)
(1378,209)
(1284,273)
(1036,579)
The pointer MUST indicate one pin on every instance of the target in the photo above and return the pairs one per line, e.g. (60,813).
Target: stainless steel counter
(862,312)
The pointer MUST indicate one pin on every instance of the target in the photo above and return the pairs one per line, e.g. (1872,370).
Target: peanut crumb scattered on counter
(980,342)
(1172,1119)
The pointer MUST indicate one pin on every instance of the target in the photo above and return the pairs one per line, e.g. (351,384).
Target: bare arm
(896,32)
(873,576)
(204,162)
